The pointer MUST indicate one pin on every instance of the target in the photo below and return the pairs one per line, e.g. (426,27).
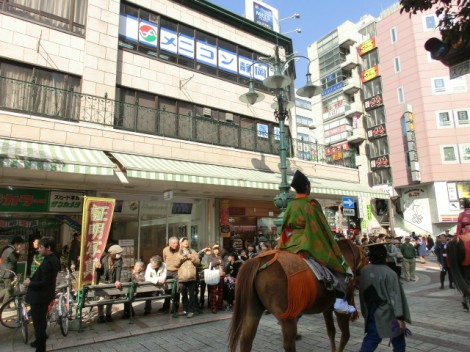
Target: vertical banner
(224,218)
(96,222)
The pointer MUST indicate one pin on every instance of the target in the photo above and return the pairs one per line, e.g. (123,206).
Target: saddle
(323,274)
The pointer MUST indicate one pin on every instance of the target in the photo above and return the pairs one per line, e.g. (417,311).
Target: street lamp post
(278,83)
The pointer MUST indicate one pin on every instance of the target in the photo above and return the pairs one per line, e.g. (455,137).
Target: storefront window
(159,220)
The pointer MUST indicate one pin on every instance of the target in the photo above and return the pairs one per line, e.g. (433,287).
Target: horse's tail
(245,295)
(455,256)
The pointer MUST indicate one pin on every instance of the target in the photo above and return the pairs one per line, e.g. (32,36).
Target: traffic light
(446,54)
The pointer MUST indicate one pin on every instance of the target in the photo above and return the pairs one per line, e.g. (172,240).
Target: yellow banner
(96,222)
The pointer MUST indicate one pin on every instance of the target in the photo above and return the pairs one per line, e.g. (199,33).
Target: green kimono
(304,228)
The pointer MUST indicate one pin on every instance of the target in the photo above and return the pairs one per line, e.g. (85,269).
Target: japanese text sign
(96,222)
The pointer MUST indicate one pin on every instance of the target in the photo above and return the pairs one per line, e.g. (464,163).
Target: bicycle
(61,308)
(20,319)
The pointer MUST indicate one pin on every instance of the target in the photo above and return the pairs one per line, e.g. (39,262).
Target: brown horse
(457,252)
(282,283)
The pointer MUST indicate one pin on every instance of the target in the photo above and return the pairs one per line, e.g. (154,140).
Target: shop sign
(381,162)
(370,74)
(65,202)
(377,132)
(24,200)
(373,102)
(366,46)
(332,89)
(97,216)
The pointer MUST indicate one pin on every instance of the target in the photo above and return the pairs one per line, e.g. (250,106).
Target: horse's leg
(343,324)
(289,332)
(330,328)
(250,325)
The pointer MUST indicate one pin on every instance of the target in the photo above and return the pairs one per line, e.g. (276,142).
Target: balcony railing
(67,105)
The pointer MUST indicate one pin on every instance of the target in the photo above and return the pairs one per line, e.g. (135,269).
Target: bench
(154,293)
(103,294)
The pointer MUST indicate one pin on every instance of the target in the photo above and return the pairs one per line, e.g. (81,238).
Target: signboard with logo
(380,162)
(23,200)
(65,202)
(263,14)
(370,74)
(373,102)
(366,46)
(377,131)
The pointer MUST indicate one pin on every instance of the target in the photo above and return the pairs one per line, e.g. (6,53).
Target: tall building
(380,85)
(139,101)
(427,121)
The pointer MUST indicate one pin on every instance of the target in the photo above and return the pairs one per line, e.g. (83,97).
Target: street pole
(279,82)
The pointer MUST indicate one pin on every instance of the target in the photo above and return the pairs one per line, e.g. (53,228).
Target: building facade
(138,101)
(380,85)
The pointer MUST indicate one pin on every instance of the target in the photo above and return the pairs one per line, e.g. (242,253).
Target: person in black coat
(41,290)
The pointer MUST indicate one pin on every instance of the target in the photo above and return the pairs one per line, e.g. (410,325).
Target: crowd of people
(305,231)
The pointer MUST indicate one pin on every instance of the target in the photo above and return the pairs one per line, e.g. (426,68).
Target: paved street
(439,324)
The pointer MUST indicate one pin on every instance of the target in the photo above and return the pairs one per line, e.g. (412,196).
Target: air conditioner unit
(207,112)
(228,117)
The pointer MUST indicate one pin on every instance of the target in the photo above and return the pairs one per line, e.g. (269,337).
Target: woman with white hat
(108,271)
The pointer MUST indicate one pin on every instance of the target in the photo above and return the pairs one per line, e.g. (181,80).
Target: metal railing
(67,105)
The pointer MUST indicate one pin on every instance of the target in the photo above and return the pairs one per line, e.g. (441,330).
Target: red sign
(96,222)
(366,46)
(381,162)
(373,102)
(377,132)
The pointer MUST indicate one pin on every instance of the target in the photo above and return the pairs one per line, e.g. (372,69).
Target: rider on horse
(463,228)
(306,231)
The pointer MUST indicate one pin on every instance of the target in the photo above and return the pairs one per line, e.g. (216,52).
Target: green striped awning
(47,157)
(160,169)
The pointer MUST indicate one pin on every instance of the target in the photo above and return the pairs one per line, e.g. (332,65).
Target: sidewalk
(435,313)
(11,340)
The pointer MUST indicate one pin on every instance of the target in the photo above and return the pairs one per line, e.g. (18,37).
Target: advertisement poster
(96,222)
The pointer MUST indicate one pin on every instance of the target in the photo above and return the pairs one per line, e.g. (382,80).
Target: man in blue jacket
(41,290)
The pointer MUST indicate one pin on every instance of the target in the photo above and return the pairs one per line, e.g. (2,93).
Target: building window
(303,121)
(401,95)
(444,119)
(430,22)
(67,15)
(393,35)
(370,59)
(372,88)
(465,152)
(375,117)
(449,154)
(438,85)
(396,64)
(461,118)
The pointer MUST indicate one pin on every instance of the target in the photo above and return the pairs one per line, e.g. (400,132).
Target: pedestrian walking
(441,254)
(383,303)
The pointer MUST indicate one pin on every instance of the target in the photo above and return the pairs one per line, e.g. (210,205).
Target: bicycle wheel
(9,314)
(64,315)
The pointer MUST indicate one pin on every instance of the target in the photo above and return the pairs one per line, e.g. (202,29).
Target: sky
(317,18)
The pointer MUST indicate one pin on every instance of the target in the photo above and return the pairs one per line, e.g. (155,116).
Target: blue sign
(332,89)
(348,202)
